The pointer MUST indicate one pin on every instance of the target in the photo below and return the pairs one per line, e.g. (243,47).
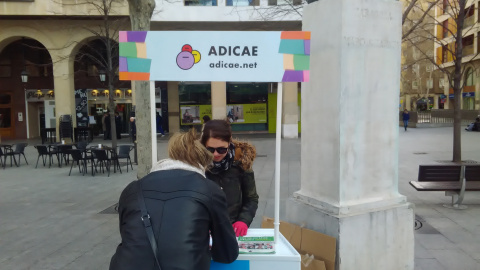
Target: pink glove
(240,228)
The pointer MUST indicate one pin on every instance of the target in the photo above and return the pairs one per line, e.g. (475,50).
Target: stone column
(290,110)
(349,168)
(435,102)
(446,92)
(408,102)
(219,100)
(63,82)
(134,102)
(173,107)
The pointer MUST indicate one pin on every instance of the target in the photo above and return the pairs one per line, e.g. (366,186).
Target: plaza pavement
(49,220)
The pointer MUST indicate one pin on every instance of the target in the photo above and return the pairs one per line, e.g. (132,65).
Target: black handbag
(147,223)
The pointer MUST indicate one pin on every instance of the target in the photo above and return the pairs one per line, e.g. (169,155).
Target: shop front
(97,100)
(246,105)
(40,111)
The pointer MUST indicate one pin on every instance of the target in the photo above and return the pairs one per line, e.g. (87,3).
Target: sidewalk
(49,220)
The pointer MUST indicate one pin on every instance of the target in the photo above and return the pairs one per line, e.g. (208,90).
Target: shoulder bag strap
(146,222)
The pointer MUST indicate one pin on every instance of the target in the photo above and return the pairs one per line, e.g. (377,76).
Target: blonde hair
(186,148)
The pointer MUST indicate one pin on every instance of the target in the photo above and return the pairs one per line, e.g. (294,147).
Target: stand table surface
(284,258)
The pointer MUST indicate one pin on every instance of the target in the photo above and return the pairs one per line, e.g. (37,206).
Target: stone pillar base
(375,239)
(290,131)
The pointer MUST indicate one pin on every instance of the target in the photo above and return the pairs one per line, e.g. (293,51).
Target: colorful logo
(188,57)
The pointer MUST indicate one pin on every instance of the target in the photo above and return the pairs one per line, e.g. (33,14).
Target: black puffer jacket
(183,206)
(238,183)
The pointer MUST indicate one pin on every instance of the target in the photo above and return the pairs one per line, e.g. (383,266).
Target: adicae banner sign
(272,56)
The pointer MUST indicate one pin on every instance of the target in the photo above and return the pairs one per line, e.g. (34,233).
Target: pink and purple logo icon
(188,57)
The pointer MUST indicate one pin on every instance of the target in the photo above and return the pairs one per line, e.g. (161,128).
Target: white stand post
(278,146)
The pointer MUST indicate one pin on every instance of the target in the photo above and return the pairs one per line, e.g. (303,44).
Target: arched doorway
(24,56)
(90,61)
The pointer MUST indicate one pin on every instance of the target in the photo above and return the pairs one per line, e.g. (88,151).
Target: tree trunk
(140,14)
(457,89)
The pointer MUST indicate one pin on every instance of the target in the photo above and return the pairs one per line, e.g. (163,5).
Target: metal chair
(103,159)
(43,152)
(5,158)
(19,150)
(124,153)
(78,158)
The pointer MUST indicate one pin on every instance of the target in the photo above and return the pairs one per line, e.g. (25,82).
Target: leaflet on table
(256,244)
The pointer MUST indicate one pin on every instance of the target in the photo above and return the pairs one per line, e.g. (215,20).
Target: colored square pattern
(295,45)
(133,62)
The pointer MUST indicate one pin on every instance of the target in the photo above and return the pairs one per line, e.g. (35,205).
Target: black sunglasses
(220,150)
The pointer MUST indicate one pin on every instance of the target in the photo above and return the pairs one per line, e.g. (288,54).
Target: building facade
(445,48)
(47,41)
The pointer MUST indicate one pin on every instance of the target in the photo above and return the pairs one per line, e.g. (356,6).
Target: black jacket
(238,184)
(183,206)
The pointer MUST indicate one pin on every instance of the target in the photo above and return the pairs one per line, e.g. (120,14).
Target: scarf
(170,164)
(226,162)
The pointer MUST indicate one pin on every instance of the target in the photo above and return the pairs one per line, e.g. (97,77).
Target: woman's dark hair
(218,129)
(206,118)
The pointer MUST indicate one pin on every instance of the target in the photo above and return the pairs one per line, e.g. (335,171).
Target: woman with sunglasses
(232,171)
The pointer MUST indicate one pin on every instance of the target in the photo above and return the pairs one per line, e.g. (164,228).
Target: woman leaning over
(183,206)
(232,171)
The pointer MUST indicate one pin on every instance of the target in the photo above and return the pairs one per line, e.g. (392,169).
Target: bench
(455,180)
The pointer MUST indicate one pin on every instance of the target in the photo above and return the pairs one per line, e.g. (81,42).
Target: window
(469,77)
(5,111)
(200,2)
(247,93)
(5,68)
(444,54)
(5,116)
(195,93)
(445,28)
(243,2)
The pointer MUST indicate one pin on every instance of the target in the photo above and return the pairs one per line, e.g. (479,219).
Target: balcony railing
(469,21)
(468,50)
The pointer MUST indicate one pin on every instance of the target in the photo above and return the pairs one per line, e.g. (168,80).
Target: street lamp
(24,76)
(102,75)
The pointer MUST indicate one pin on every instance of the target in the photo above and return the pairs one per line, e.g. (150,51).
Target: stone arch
(12,34)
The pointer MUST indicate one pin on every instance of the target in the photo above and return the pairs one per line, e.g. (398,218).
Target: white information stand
(271,59)
(284,258)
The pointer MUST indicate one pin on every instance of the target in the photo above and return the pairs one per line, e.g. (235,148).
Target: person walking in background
(184,209)
(406,117)
(108,127)
(133,129)
(159,124)
(118,125)
(232,171)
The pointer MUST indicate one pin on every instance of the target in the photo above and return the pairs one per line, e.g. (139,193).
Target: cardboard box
(307,243)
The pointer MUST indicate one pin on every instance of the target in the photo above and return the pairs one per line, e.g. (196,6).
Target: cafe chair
(45,153)
(63,150)
(2,163)
(19,150)
(102,159)
(124,153)
(79,159)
